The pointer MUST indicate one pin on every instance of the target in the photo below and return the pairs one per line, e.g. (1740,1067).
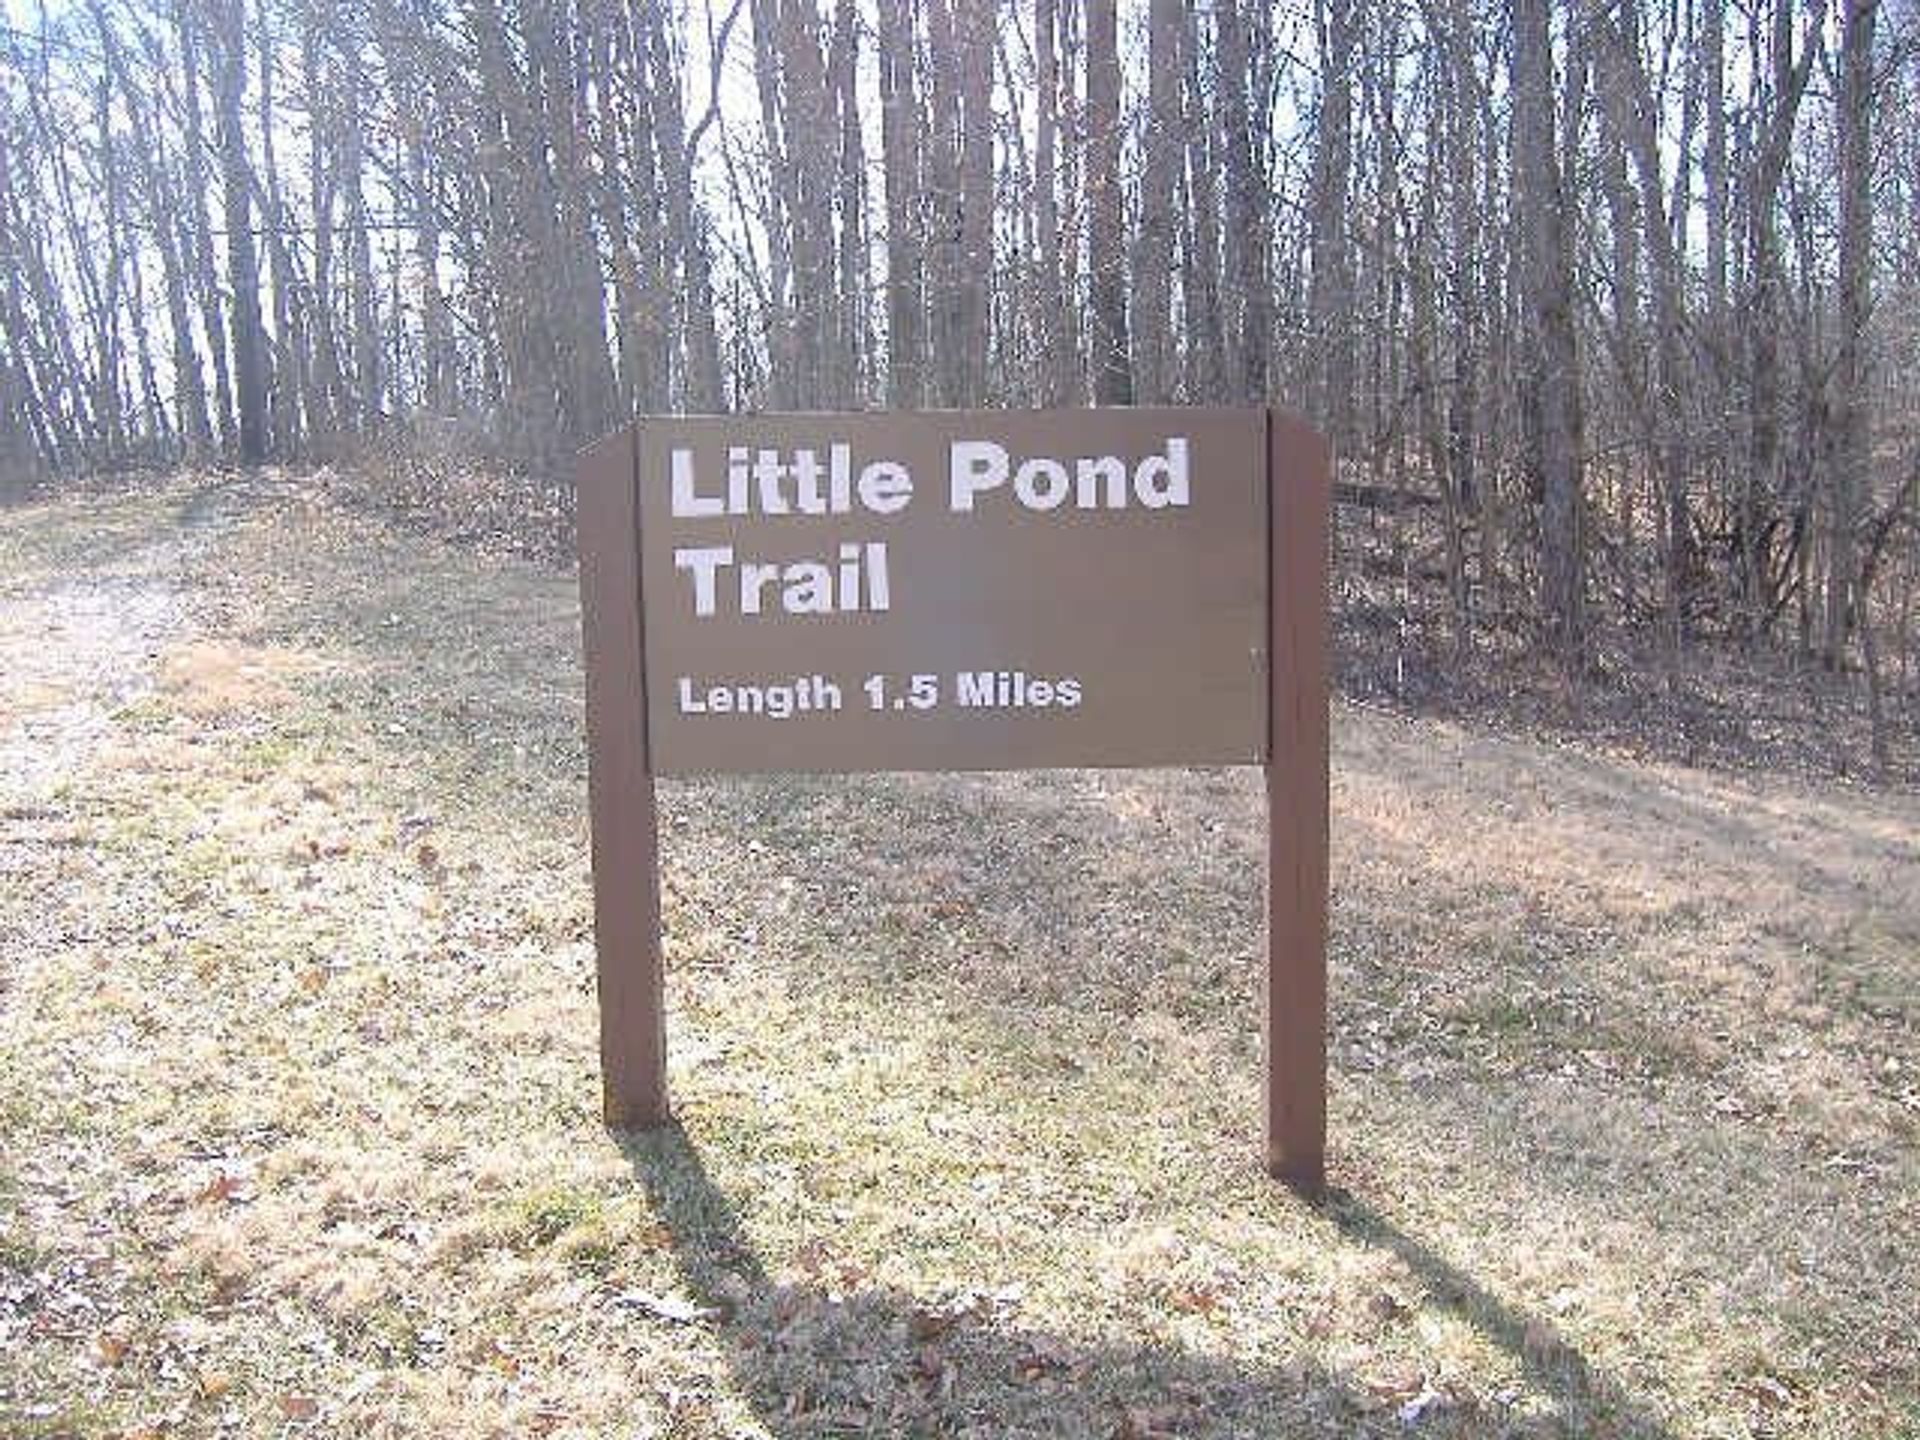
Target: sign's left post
(626,837)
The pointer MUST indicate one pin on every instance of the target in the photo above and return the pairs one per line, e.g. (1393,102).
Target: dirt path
(77,647)
(74,654)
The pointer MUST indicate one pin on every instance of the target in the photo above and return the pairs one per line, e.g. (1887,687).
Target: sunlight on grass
(298,1078)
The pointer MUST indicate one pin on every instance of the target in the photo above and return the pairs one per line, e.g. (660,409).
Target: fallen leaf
(1044,1355)
(1388,1308)
(108,1349)
(299,1407)
(1194,1300)
(1770,1392)
(226,1188)
(1152,1422)
(931,1324)
(213,1384)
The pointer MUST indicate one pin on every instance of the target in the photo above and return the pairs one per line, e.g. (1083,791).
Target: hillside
(299,1094)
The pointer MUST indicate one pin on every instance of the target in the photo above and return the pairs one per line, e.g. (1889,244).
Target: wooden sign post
(955,590)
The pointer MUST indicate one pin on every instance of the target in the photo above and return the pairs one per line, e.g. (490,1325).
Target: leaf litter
(295,996)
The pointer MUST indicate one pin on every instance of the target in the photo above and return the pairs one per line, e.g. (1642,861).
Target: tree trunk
(1200,272)
(1763,482)
(973,311)
(1550,377)
(368,382)
(1330,294)
(199,187)
(945,218)
(283,395)
(1247,238)
(1630,110)
(705,390)
(1156,350)
(1852,378)
(900,149)
(851,309)
(1106,236)
(243,268)
(325,401)
(1051,324)
(819,361)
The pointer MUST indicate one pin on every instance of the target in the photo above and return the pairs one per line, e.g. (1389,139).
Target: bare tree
(1106,264)
(900,147)
(243,266)
(1550,375)
(1155,344)
(1585,292)
(1247,298)
(1853,369)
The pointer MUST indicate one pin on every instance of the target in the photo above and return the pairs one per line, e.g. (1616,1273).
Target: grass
(298,1078)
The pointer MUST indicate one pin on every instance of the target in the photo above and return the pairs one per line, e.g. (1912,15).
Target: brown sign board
(948,591)
(959,590)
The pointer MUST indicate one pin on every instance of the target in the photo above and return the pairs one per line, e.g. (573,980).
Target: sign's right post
(1294,1006)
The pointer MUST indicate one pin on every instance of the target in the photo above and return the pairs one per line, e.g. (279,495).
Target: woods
(1609,306)
(987,834)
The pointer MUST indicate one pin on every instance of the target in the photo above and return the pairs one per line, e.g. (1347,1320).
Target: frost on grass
(298,1084)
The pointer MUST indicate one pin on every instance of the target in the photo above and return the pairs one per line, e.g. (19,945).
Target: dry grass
(211,678)
(299,1094)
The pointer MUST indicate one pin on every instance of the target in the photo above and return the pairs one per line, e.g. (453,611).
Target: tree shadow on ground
(830,1355)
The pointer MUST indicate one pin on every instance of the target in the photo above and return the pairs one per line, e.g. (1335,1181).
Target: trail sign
(959,590)
(954,591)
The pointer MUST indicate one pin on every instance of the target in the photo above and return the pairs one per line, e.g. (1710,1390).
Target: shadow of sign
(827,1356)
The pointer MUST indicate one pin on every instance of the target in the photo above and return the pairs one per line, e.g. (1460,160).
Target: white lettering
(754,580)
(1161,480)
(974,687)
(879,591)
(806,483)
(768,472)
(809,590)
(688,502)
(974,465)
(885,487)
(840,473)
(737,490)
(705,563)
(799,696)
(1089,471)
(1157,481)
(1040,483)
(849,577)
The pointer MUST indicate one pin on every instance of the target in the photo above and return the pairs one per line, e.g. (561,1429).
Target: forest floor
(299,1100)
